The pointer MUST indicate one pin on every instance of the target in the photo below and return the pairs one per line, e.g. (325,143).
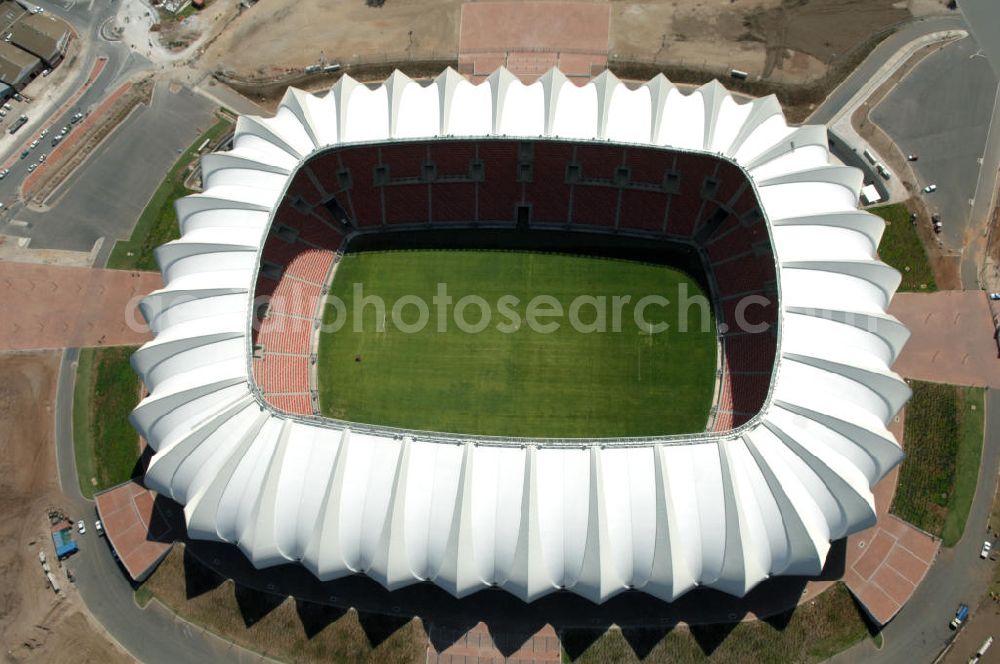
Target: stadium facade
(726,508)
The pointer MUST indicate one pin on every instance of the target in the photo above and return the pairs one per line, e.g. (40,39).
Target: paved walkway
(951,338)
(136,527)
(531,38)
(479,646)
(54,306)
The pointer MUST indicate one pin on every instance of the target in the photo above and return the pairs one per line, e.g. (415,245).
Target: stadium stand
(692,197)
(649,167)
(549,191)
(453,202)
(500,191)
(642,210)
(297,256)
(365,201)
(595,205)
(407,203)
(452,159)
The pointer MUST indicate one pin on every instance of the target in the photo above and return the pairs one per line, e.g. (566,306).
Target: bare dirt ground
(788,41)
(783,40)
(35,623)
(289,34)
(172,40)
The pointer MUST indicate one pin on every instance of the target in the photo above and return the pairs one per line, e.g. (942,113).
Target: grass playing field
(516,377)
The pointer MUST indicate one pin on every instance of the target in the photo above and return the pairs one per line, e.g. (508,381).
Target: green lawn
(106,445)
(943,442)
(158,222)
(970,449)
(522,381)
(902,248)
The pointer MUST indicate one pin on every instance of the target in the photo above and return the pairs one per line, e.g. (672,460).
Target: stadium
(742,455)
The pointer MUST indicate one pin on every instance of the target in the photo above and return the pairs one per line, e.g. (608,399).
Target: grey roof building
(17,67)
(42,35)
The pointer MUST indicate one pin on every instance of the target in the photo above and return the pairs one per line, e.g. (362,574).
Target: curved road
(920,630)
(850,86)
(917,634)
(152,635)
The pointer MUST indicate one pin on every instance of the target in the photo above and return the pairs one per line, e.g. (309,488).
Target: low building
(17,67)
(870,195)
(44,36)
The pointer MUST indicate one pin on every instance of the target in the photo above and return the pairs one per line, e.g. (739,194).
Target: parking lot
(941,113)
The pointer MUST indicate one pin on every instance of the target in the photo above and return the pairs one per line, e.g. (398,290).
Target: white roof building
(594,517)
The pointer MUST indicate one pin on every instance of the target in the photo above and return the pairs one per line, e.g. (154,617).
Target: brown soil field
(273,37)
(789,41)
(35,623)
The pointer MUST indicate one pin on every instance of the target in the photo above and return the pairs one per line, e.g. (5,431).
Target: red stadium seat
(643,210)
(595,205)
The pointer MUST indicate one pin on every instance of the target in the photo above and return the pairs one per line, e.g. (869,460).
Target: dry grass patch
(812,632)
(280,627)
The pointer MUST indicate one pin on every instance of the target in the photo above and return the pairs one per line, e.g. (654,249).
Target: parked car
(912,157)
(32,167)
(76,118)
(883,171)
(43,133)
(995,296)
(929,188)
(960,615)
(99,527)
(34,144)
(41,157)
(46,72)
(25,153)
(987,545)
(65,130)
(81,527)
(55,141)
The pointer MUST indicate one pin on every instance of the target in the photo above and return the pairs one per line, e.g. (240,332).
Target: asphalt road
(920,630)
(916,635)
(941,111)
(836,100)
(152,635)
(86,18)
(110,190)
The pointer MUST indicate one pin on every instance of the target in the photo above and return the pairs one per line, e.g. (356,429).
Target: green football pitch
(524,371)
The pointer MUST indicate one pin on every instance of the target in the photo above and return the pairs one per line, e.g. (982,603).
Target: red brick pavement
(886,562)
(531,38)
(53,306)
(951,338)
(477,646)
(138,534)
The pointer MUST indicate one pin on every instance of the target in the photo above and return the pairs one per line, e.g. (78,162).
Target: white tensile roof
(596,517)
